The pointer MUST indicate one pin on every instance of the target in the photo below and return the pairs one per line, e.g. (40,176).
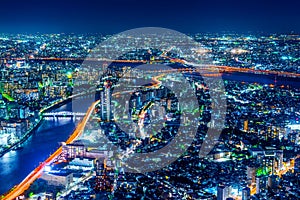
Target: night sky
(113,16)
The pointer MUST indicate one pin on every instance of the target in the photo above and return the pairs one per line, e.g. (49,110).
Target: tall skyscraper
(273,181)
(106,114)
(297,167)
(245,128)
(246,193)
(223,192)
(251,172)
(261,184)
(279,159)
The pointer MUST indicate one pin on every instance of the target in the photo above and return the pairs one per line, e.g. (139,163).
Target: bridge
(63,114)
(37,172)
(221,68)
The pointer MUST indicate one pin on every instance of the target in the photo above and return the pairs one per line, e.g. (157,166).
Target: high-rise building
(169,104)
(261,184)
(272,133)
(223,192)
(297,167)
(251,172)
(106,114)
(245,125)
(246,193)
(273,181)
(279,159)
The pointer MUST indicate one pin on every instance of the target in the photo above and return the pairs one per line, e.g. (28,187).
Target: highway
(36,173)
(207,67)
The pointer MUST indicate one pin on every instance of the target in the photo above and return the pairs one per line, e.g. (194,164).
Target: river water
(16,165)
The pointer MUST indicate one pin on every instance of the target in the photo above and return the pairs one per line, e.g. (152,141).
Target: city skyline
(128,99)
(48,82)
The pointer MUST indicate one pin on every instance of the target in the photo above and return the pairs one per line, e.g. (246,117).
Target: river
(17,164)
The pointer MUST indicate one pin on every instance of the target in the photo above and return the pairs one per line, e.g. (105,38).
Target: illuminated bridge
(63,114)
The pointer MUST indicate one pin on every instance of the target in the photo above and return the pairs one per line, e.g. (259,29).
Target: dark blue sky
(113,16)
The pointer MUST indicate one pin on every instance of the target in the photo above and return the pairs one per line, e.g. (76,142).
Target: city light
(71,153)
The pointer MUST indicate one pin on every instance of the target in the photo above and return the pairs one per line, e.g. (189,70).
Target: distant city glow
(238,51)
(294,126)
(38,80)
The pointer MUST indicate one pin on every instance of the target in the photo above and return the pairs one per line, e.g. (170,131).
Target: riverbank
(25,184)
(35,126)
(23,139)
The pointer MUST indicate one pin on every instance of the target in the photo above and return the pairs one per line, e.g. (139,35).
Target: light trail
(37,172)
(222,68)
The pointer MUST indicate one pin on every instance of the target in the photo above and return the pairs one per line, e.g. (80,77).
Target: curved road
(25,184)
(36,173)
